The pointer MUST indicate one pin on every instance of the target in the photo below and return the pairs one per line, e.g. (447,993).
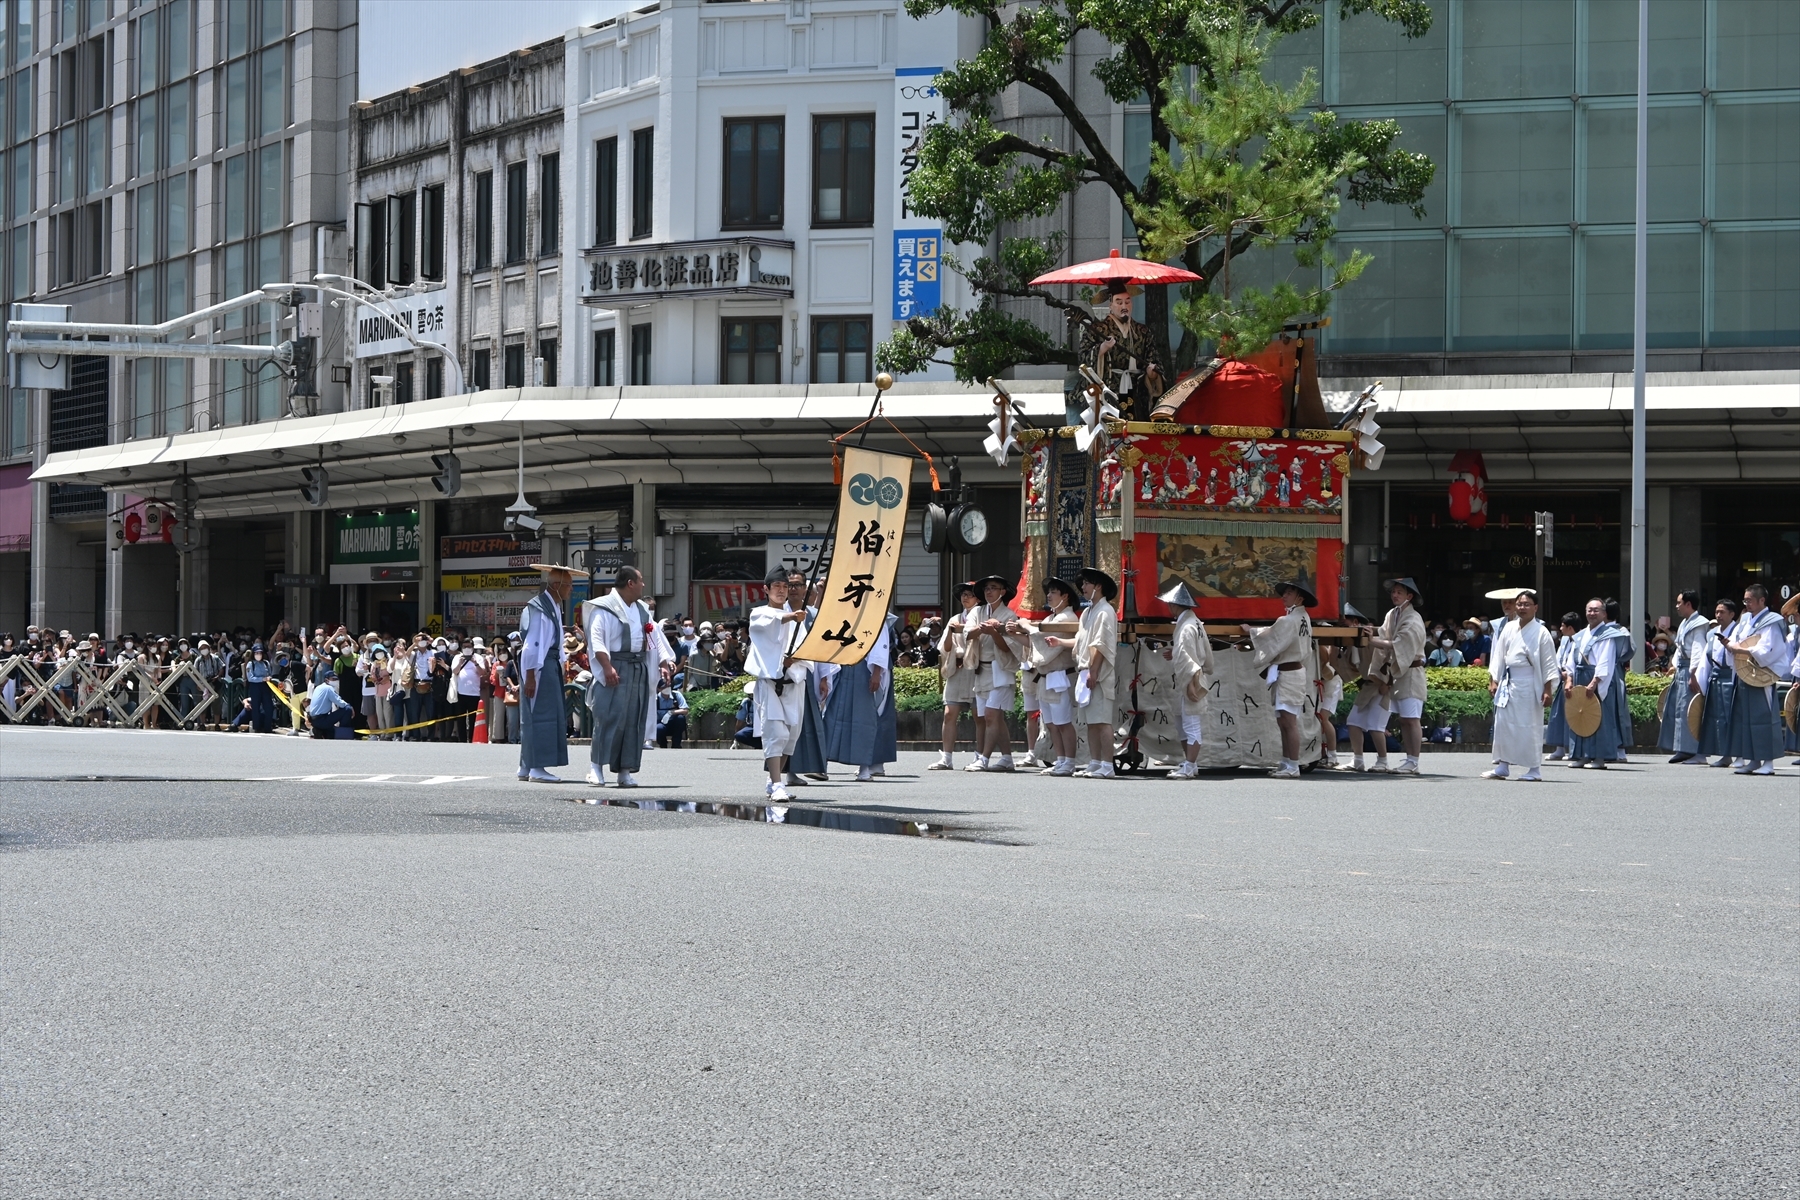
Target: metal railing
(134,694)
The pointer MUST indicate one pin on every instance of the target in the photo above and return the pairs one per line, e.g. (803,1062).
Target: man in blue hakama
(860,725)
(1753,735)
(808,757)
(1556,729)
(1718,683)
(1602,653)
(1690,649)
(543,723)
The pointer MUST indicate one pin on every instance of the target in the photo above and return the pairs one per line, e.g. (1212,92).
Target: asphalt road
(218,978)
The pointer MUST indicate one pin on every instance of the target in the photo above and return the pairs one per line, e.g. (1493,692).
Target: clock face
(973,527)
(933,527)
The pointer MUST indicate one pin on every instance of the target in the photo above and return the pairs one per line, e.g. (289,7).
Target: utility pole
(1640,305)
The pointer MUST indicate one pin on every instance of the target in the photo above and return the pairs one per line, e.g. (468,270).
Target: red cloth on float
(1237,394)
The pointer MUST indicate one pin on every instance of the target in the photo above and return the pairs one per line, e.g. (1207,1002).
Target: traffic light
(314,490)
(306,374)
(448,479)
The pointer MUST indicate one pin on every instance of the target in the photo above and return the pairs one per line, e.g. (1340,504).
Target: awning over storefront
(1702,427)
(1550,428)
(574,438)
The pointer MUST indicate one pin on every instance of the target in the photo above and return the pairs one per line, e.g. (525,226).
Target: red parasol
(1113,266)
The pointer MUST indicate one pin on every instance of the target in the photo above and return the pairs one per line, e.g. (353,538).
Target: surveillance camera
(525,521)
(381,380)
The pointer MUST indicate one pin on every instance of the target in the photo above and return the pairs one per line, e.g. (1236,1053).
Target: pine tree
(1229,152)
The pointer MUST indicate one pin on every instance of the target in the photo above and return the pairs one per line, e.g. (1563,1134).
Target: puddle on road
(852,821)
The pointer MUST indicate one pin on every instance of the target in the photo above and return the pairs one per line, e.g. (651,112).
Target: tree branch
(1012,143)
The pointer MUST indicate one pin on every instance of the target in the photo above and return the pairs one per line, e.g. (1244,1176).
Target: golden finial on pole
(883,382)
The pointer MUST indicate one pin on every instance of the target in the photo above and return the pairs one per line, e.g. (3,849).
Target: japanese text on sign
(864,560)
(916,289)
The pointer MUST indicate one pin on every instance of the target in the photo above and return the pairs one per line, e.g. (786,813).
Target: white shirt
(607,631)
(543,638)
(768,642)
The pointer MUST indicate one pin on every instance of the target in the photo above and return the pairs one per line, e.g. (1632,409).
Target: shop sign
(474,581)
(379,326)
(795,553)
(617,276)
(487,552)
(376,537)
(918,240)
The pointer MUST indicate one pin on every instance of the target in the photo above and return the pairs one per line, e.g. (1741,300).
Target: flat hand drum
(1582,710)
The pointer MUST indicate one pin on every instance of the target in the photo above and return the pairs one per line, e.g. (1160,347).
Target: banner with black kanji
(865,557)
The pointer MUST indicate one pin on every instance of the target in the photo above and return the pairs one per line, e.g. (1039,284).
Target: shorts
(779,718)
(1191,728)
(1290,692)
(960,688)
(1032,689)
(1334,696)
(1409,710)
(1371,709)
(998,699)
(1058,707)
(1100,709)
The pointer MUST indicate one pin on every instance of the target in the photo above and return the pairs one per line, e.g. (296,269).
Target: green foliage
(1456,679)
(917,681)
(1642,707)
(711,700)
(1231,156)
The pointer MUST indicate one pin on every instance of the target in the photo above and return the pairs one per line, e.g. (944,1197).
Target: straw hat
(1696,709)
(1583,712)
(577,572)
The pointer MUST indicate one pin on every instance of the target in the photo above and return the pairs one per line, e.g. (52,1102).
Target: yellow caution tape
(281,694)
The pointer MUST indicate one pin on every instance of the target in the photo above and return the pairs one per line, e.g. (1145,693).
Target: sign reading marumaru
(377,537)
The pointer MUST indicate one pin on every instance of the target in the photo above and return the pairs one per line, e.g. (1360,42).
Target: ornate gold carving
(1167,427)
(1341,464)
(1131,456)
(1029,436)
(1240,431)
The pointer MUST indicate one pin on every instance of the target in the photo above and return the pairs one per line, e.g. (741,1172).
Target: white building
(740,195)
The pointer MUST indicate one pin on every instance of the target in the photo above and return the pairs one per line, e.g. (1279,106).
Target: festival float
(1241,482)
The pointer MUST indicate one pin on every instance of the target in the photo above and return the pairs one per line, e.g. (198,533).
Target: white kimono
(1522,661)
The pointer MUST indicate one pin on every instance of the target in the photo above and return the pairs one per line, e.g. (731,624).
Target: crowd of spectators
(426,687)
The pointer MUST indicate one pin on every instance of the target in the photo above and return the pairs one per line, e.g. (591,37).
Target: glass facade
(1528,107)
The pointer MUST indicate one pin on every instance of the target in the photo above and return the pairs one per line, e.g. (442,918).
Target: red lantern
(134,527)
(1460,500)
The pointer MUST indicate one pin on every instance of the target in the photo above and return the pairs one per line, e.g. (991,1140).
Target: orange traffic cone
(480,734)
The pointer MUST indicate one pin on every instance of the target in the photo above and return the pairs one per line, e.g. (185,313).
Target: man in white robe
(1522,671)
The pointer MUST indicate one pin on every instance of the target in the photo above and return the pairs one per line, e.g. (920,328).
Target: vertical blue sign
(916,286)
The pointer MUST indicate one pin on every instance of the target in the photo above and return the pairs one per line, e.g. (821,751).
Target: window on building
(431,232)
(643,181)
(844,170)
(403,383)
(752,351)
(434,377)
(401,225)
(549,205)
(605,347)
(841,350)
(606,192)
(515,212)
(480,371)
(547,352)
(484,220)
(640,355)
(371,227)
(256,73)
(753,173)
(18,422)
(514,366)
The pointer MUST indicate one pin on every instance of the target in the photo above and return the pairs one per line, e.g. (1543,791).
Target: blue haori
(1750,731)
(855,734)
(543,724)
(619,714)
(1673,736)
(1604,744)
